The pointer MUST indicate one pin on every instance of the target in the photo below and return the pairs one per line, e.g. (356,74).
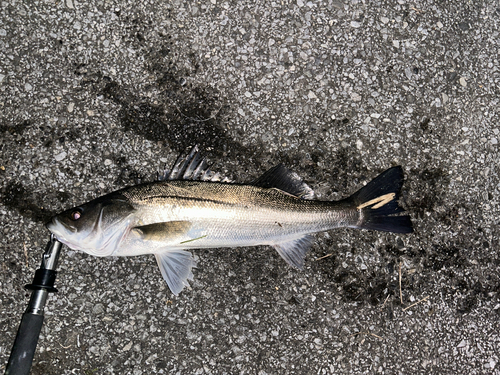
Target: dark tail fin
(378,203)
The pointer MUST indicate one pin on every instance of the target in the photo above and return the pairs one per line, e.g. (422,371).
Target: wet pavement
(98,95)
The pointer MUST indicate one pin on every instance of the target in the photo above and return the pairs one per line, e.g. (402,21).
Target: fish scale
(239,211)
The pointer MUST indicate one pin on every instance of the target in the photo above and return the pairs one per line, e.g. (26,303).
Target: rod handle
(24,347)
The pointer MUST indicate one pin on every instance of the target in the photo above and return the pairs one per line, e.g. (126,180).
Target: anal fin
(295,251)
(176,268)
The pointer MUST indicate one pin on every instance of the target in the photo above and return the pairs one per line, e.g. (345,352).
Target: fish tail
(377,204)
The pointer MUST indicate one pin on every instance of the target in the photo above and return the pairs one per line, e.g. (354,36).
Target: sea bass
(187,208)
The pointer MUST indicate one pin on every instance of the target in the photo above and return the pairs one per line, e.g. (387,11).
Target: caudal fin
(378,203)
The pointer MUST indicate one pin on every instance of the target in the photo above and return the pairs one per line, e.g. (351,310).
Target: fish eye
(75,215)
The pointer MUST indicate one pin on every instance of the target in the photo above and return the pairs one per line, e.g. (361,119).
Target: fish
(189,207)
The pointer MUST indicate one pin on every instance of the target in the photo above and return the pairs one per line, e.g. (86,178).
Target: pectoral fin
(175,267)
(166,231)
(295,251)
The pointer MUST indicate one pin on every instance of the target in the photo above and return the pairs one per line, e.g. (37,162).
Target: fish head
(96,227)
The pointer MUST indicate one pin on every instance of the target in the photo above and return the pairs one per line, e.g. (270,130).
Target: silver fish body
(166,218)
(228,215)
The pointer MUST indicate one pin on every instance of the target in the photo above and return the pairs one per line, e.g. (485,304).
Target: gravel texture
(98,95)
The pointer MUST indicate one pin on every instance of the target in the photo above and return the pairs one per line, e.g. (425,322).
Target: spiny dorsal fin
(279,177)
(191,167)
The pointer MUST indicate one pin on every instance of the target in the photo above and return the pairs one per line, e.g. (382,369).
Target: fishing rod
(26,340)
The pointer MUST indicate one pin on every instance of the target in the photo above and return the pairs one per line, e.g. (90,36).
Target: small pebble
(355,97)
(60,156)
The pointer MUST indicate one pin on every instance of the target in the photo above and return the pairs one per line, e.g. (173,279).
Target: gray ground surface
(97,95)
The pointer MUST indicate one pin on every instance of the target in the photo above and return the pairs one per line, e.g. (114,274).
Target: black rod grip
(24,347)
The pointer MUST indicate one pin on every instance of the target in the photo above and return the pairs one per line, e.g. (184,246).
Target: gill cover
(96,227)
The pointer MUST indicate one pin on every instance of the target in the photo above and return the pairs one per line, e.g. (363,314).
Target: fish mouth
(60,231)
(54,226)
(50,225)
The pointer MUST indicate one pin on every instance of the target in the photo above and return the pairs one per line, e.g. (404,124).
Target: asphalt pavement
(98,95)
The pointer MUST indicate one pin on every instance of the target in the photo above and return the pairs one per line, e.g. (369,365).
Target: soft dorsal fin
(279,177)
